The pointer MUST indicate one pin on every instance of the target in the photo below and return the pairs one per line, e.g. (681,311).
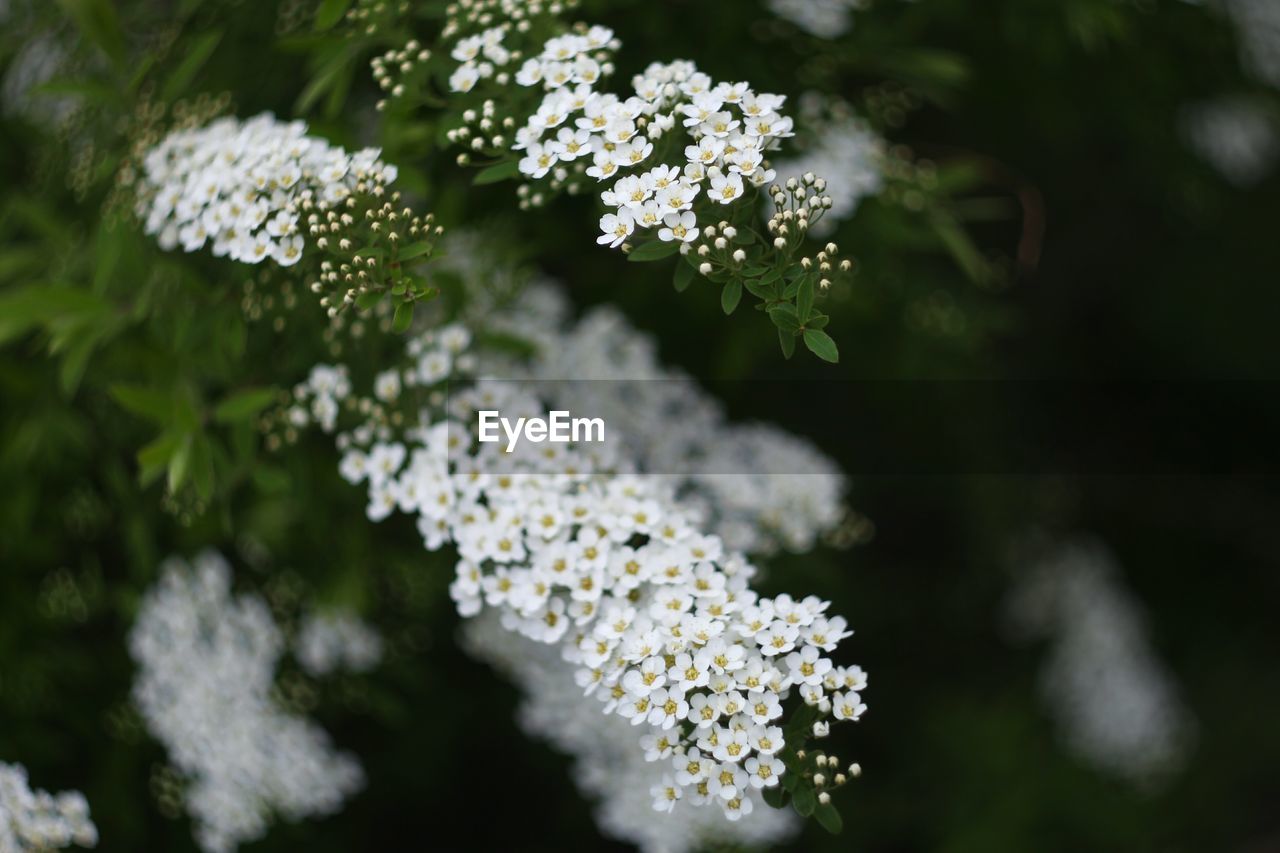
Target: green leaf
(804,800)
(829,818)
(180,464)
(804,299)
(497,172)
(414,250)
(775,796)
(202,467)
(403,317)
(243,405)
(144,402)
(784,317)
(329,77)
(731,296)
(683,277)
(45,304)
(788,342)
(654,251)
(153,458)
(821,345)
(98,21)
(368,299)
(75,361)
(329,13)
(196,55)
(760,291)
(271,479)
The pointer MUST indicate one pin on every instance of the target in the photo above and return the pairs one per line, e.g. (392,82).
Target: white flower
(537,161)
(668,707)
(665,794)
(386,385)
(847,706)
(764,772)
(727,781)
(464,78)
(807,666)
(682,227)
(678,197)
(616,227)
(779,638)
(726,188)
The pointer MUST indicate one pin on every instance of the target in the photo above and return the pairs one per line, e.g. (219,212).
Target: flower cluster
(729,129)
(37,820)
(207,664)
(239,186)
(1118,707)
(392,69)
(658,617)
(760,487)
(607,767)
(333,640)
(849,154)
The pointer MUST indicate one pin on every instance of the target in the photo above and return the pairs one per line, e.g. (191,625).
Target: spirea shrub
(579,549)
(618,585)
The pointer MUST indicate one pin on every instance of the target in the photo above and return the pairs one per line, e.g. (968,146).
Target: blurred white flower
(1117,706)
(32,821)
(206,668)
(822,18)
(1238,136)
(332,640)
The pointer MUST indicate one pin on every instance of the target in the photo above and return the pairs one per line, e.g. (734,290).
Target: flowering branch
(656,617)
(682,161)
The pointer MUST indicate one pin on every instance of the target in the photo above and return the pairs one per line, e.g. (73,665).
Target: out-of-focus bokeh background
(1065,655)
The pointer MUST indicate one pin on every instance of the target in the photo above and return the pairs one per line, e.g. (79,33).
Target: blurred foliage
(1074,235)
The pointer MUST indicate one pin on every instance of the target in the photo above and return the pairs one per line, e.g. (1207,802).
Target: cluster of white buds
(798,204)
(482,132)
(829,775)
(467,16)
(842,147)
(368,16)
(392,69)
